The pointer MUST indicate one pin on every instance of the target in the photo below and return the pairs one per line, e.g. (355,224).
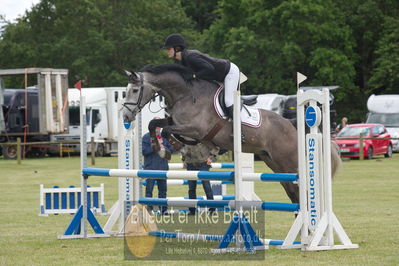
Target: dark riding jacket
(204,66)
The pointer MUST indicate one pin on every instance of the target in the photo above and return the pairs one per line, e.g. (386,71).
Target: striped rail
(175,166)
(190,175)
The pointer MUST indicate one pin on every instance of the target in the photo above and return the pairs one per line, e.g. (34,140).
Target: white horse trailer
(272,101)
(102,117)
(384,109)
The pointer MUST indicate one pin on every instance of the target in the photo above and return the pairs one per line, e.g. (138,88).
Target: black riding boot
(230,112)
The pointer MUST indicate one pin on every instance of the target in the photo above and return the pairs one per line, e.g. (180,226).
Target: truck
(33,113)
(102,118)
(384,109)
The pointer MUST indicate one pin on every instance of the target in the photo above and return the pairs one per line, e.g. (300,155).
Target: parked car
(348,140)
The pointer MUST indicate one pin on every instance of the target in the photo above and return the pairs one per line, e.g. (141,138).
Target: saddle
(248,100)
(252,117)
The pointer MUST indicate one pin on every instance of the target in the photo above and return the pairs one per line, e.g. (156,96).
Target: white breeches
(231,83)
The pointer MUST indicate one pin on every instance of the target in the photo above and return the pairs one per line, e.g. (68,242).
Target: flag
(78,85)
(300,78)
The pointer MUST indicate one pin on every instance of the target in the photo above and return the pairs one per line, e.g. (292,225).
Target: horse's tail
(335,159)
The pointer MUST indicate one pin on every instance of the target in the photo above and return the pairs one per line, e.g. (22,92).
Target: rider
(205,67)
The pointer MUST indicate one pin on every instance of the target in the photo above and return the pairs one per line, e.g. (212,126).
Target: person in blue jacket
(156,159)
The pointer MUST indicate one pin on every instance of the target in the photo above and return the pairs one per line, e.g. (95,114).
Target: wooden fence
(50,144)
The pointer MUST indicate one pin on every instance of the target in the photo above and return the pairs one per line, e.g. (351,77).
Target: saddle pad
(250,116)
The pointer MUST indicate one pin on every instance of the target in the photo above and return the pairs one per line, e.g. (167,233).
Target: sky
(12,9)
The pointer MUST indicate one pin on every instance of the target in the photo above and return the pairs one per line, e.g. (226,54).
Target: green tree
(372,23)
(353,44)
(271,40)
(94,39)
(337,42)
(201,12)
(385,74)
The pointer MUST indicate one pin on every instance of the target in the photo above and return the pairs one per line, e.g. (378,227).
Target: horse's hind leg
(291,189)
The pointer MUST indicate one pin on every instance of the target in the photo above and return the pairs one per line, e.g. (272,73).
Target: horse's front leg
(161,123)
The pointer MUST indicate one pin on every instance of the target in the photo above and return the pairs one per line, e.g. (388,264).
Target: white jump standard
(78,226)
(316,221)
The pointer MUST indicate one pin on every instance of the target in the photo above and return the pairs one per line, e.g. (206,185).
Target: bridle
(126,104)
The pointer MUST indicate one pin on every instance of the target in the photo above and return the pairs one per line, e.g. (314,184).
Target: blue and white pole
(161,174)
(176,175)
(185,182)
(176,166)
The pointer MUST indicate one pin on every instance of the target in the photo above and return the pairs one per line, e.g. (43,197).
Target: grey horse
(190,106)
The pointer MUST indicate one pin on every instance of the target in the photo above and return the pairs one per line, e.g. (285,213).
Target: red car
(348,140)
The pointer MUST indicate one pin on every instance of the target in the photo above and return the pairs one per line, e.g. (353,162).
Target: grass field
(366,201)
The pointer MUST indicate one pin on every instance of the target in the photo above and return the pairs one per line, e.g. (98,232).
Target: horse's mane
(185,72)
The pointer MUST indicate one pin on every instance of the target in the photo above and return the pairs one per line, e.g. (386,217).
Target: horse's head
(168,80)
(138,93)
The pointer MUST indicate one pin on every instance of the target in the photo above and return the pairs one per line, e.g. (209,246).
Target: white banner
(313,148)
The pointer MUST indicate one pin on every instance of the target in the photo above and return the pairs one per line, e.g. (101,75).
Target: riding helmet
(174,40)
